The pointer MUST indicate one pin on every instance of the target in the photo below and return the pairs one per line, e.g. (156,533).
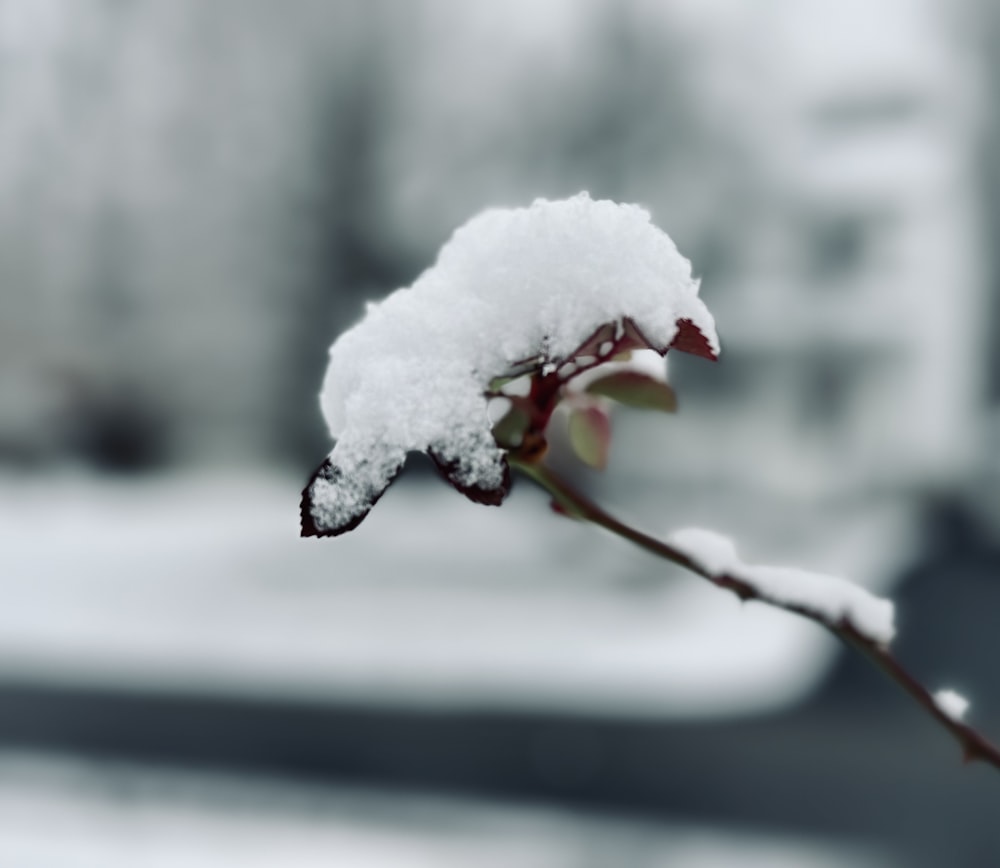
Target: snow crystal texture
(830,598)
(510,285)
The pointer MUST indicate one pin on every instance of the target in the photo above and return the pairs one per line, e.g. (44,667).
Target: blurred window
(842,248)
(827,384)
(835,248)
(727,385)
(886,109)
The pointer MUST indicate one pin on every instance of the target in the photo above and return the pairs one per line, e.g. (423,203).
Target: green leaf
(590,435)
(515,372)
(509,431)
(635,390)
(497,383)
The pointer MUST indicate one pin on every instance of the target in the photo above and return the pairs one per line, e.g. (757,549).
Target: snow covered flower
(539,297)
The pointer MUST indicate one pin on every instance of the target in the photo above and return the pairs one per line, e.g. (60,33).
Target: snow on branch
(828,599)
(951,703)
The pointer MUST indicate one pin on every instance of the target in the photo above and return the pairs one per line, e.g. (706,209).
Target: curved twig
(975,746)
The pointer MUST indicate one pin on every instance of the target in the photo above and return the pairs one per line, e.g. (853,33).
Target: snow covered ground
(201,582)
(60,814)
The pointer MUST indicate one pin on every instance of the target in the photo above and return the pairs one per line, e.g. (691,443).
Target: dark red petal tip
(312,514)
(690,339)
(592,345)
(633,338)
(476,493)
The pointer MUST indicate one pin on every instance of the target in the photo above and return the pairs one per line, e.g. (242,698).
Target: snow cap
(510,285)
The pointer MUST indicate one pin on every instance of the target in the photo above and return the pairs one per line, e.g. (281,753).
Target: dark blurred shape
(946,608)
(118,431)
(818,770)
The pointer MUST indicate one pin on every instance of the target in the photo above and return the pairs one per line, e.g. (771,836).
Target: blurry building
(170,221)
(196,197)
(850,293)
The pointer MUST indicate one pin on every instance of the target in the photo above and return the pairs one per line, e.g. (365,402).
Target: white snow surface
(199,582)
(831,598)
(120,815)
(511,284)
(952,703)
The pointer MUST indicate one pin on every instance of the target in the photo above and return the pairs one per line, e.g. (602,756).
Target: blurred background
(195,198)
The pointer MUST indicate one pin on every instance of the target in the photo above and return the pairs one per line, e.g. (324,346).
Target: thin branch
(975,746)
